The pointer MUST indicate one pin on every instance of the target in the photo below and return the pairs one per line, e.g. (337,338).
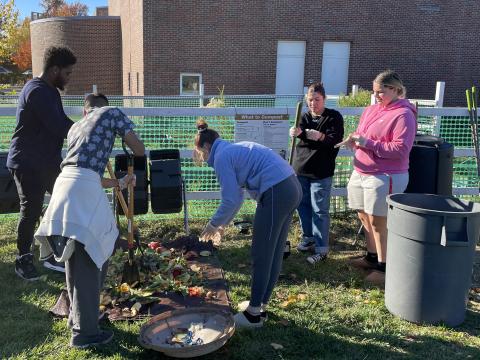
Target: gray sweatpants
(270,230)
(84,282)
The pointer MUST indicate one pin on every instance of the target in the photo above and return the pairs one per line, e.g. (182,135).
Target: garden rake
(472,105)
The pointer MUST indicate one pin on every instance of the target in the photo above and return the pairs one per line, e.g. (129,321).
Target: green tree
(8,29)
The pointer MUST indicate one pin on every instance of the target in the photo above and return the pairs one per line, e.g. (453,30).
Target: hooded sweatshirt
(390,131)
(244,164)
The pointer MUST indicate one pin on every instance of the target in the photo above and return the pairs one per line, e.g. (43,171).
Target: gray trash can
(430,252)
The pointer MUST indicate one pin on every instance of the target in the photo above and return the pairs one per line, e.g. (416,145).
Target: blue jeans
(314,211)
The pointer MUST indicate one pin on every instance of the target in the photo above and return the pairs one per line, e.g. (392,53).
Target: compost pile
(175,274)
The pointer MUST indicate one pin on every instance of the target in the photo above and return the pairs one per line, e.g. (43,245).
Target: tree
(22,55)
(61,8)
(8,29)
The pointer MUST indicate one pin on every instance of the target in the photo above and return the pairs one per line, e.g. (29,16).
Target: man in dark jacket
(36,149)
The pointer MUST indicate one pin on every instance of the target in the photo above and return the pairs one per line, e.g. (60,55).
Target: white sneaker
(241,320)
(307,244)
(244,305)
(316,258)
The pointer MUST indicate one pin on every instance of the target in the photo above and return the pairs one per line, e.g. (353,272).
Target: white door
(336,56)
(290,67)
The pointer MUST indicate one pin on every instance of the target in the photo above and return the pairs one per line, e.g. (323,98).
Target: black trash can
(431,166)
(165,181)
(431,248)
(9,201)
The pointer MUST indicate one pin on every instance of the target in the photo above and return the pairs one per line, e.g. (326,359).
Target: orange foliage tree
(23,56)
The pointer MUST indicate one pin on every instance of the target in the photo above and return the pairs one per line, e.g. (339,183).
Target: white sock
(263,307)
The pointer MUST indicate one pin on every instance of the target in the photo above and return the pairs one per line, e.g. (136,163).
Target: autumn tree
(61,8)
(8,29)
(22,56)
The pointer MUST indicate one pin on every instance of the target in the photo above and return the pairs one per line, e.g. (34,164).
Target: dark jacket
(41,128)
(316,159)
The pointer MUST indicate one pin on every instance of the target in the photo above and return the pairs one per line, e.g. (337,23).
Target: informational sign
(268,130)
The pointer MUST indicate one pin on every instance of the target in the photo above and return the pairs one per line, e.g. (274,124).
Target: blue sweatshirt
(41,128)
(244,164)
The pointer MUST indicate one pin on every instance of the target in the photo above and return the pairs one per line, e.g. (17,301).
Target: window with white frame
(190,83)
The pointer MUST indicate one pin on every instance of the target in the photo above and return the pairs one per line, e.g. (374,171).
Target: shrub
(361,99)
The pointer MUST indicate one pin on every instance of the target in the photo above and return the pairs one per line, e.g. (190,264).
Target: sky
(27,6)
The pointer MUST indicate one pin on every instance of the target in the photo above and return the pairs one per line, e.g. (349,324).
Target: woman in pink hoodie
(382,144)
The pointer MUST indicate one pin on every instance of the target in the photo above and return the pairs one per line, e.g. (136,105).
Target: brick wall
(95,41)
(131,14)
(234,43)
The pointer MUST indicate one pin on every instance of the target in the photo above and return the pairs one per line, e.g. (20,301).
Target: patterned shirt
(90,140)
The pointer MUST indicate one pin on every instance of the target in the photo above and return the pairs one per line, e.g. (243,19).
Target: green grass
(341,318)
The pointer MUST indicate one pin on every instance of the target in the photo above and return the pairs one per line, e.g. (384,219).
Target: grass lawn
(341,317)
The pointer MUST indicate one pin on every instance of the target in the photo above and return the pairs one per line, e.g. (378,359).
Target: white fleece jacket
(79,209)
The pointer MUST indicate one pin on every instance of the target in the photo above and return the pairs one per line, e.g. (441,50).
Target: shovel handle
(130,204)
(298,116)
(118,193)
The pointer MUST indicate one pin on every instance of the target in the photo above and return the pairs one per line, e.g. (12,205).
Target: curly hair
(58,56)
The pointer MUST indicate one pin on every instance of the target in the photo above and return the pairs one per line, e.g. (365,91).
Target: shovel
(298,116)
(130,269)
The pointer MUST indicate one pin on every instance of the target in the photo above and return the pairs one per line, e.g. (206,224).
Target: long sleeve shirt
(40,130)
(244,164)
(316,159)
(389,131)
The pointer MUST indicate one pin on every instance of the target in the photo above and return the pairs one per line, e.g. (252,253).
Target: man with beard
(36,150)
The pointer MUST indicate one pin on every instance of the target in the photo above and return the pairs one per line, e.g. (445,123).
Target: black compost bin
(431,166)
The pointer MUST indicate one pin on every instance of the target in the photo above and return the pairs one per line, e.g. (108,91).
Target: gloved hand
(359,140)
(315,135)
(295,131)
(349,143)
(127,179)
(211,232)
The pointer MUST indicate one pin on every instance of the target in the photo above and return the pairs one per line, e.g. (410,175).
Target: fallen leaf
(302,297)
(241,266)
(276,346)
(205,253)
(136,306)
(195,268)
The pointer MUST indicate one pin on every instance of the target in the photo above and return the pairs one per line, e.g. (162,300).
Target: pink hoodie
(390,131)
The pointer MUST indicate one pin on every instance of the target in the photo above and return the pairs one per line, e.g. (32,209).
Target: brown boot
(376,278)
(362,263)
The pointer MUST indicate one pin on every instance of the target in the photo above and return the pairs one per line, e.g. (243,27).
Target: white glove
(359,140)
(127,179)
(315,135)
(294,132)
(349,143)
(211,232)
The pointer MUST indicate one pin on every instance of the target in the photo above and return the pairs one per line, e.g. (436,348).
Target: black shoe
(25,269)
(51,264)
(104,337)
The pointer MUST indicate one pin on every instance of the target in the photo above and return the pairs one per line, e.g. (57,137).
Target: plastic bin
(430,253)
(431,166)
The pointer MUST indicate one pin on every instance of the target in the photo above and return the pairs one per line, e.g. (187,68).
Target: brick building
(276,46)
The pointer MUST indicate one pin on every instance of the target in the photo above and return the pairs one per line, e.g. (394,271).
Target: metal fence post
(439,96)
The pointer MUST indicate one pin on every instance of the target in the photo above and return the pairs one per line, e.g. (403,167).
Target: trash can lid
(434,204)
(428,140)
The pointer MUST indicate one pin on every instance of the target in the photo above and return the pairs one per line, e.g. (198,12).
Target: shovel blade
(130,273)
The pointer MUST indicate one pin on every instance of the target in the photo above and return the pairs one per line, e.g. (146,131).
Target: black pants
(31,187)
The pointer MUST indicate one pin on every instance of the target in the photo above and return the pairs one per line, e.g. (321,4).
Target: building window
(190,83)
(138,83)
(129,85)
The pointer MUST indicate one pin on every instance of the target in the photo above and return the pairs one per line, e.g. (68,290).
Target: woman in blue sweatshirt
(271,181)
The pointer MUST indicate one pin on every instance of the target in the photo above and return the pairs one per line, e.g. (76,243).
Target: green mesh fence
(177,132)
